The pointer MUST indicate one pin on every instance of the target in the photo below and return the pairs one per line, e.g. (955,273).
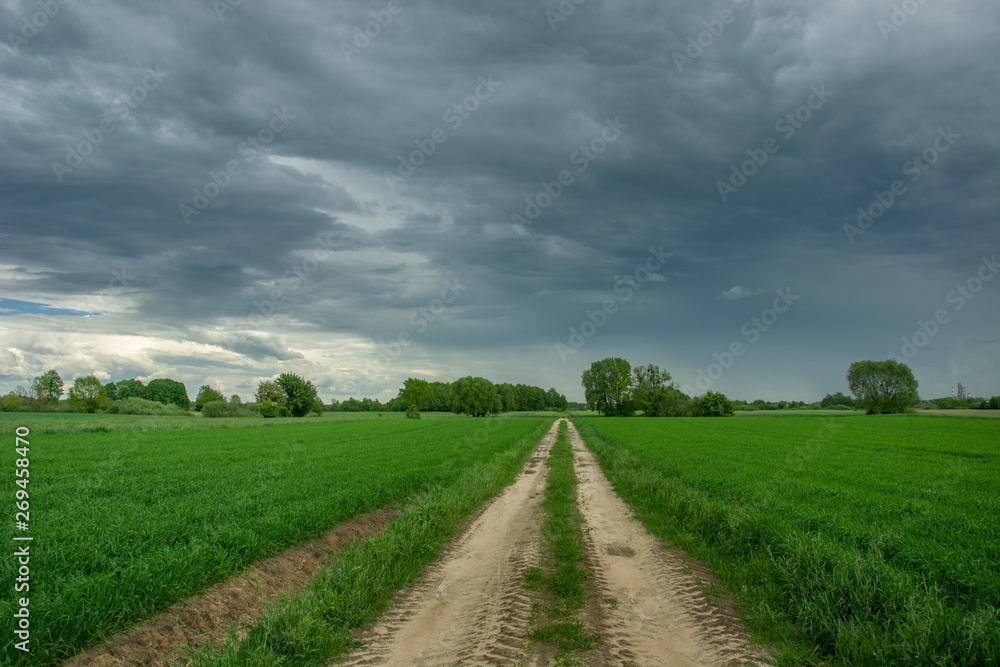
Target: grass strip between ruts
(561,581)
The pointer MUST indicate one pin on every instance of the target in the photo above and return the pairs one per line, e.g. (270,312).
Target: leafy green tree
(47,387)
(351,405)
(416,394)
(131,389)
(169,392)
(235,400)
(111,389)
(475,396)
(205,395)
(554,400)
(442,397)
(836,399)
(268,390)
(712,404)
(88,395)
(11,402)
(994,403)
(607,386)
(508,397)
(653,392)
(882,387)
(300,394)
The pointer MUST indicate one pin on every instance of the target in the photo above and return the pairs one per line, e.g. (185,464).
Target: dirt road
(472,609)
(663,616)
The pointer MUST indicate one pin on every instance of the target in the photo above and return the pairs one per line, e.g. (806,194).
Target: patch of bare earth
(470,608)
(203,621)
(663,614)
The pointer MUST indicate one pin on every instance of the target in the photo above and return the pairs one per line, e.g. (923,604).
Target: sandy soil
(204,620)
(471,607)
(663,615)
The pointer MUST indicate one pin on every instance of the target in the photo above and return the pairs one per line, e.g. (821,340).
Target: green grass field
(128,521)
(865,540)
(73,422)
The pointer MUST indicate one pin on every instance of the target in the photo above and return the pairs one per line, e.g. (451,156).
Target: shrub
(140,406)
(11,402)
(271,409)
(214,409)
(712,404)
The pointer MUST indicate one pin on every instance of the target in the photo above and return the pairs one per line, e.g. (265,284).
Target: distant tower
(953,391)
(961,391)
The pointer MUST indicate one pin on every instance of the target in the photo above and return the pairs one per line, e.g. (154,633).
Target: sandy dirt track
(471,607)
(663,616)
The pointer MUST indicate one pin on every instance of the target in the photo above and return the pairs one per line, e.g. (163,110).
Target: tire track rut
(471,607)
(663,617)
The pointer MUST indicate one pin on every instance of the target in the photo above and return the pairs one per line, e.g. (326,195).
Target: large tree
(416,395)
(205,395)
(555,400)
(653,392)
(169,392)
(607,385)
(300,394)
(131,389)
(88,395)
(47,387)
(509,397)
(475,396)
(882,387)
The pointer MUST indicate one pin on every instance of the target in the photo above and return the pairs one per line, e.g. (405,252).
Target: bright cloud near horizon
(365,192)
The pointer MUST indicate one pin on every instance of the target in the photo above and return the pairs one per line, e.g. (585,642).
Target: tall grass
(868,541)
(126,523)
(316,626)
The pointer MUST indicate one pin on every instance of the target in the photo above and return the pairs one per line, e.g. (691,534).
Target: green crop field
(865,540)
(128,521)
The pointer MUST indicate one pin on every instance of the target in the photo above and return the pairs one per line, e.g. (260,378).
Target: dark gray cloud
(274,189)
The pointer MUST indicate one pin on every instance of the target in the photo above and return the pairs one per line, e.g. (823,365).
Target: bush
(712,404)
(140,406)
(271,409)
(411,413)
(11,402)
(214,409)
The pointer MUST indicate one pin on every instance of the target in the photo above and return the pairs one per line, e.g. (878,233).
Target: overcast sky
(218,192)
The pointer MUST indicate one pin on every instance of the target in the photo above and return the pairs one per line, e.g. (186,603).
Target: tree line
(615,389)
(289,395)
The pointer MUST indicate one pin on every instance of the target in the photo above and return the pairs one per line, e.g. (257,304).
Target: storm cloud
(364,192)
